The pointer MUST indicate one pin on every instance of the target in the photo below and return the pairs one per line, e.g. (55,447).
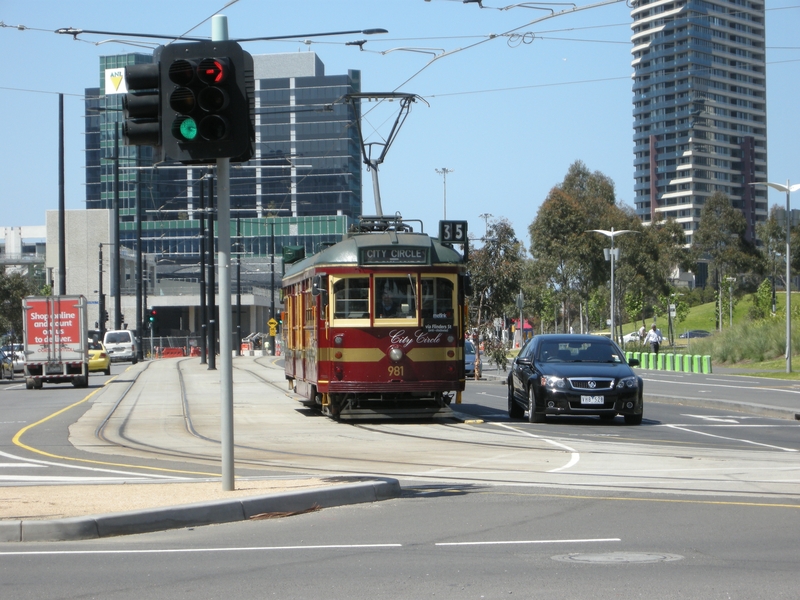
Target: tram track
(125,407)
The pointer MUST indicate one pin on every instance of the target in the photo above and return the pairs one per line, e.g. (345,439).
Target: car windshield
(599,352)
(469,347)
(118,338)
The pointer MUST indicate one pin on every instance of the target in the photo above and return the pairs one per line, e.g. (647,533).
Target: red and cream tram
(374,325)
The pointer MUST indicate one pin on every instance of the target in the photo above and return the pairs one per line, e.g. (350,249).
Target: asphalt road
(453,541)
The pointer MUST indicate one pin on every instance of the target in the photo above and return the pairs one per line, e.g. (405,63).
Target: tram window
(396,297)
(437,298)
(351,298)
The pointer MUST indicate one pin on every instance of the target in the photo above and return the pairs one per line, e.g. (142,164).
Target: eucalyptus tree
(720,240)
(571,257)
(496,272)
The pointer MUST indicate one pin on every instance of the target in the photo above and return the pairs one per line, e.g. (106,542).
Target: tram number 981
(395,371)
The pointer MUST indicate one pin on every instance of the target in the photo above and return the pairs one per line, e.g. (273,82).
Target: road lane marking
(511,542)
(708,418)
(795,388)
(575,454)
(722,437)
(17,440)
(197,550)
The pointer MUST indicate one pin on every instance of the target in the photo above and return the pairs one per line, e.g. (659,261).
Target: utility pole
(443,172)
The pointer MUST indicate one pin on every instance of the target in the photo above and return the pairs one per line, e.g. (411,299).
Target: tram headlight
(338,340)
(395,354)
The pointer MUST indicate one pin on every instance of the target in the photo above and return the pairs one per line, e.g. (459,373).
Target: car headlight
(628,382)
(554,382)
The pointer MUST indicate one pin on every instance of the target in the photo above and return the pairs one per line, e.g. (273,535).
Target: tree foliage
(720,239)
(496,272)
(13,288)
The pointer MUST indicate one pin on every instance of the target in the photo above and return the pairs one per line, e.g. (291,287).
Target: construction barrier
(172,352)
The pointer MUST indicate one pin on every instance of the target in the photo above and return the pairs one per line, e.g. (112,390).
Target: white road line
(500,543)
(575,455)
(722,437)
(795,388)
(194,550)
(26,465)
(32,462)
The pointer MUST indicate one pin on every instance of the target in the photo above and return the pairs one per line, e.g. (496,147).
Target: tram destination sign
(393,255)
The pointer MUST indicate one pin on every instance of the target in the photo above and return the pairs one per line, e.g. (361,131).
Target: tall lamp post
(443,172)
(788,189)
(612,255)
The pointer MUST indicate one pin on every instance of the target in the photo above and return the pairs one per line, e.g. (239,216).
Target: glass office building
(700,113)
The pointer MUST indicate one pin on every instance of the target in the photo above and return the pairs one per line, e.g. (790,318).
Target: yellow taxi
(99,360)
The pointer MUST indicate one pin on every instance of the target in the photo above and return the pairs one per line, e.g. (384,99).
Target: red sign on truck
(54,321)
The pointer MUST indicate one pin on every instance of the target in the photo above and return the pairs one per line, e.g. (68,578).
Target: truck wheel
(29,383)
(80,382)
(37,383)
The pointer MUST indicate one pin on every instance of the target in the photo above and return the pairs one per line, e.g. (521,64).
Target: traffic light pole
(219,32)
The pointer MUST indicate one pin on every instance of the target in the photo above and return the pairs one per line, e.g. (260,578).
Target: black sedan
(567,374)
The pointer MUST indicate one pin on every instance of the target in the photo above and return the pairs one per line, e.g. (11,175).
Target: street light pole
(788,189)
(443,172)
(613,255)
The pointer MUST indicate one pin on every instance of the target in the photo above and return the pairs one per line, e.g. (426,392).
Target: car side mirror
(634,362)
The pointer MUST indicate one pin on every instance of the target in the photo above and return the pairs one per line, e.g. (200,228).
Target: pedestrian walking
(654,338)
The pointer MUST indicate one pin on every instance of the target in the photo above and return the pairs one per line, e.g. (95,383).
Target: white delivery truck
(55,340)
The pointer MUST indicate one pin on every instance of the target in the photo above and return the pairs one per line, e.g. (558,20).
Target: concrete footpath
(79,512)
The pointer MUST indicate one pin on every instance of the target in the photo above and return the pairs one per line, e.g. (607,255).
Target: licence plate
(593,400)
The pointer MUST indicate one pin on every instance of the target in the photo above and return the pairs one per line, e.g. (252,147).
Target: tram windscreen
(396,297)
(437,298)
(351,298)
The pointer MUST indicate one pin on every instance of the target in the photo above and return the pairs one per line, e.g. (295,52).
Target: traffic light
(207,102)
(142,105)
(152,318)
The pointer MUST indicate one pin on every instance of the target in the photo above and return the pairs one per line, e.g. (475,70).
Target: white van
(121,345)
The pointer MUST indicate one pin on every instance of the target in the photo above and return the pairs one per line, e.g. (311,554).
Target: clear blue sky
(508,116)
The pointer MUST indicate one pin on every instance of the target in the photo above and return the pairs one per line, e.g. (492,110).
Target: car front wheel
(533,416)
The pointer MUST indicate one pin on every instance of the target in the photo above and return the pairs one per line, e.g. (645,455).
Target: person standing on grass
(654,338)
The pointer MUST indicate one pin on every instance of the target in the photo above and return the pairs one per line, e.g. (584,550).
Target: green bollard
(628,356)
(638,356)
(679,362)
(687,363)
(660,362)
(696,363)
(706,364)
(669,362)
(652,359)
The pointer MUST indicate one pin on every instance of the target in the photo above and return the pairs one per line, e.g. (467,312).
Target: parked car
(6,366)
(469,360)
(121,345)
(694,333)
(633,336)
(17,355)
(99,360)
(567,374)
